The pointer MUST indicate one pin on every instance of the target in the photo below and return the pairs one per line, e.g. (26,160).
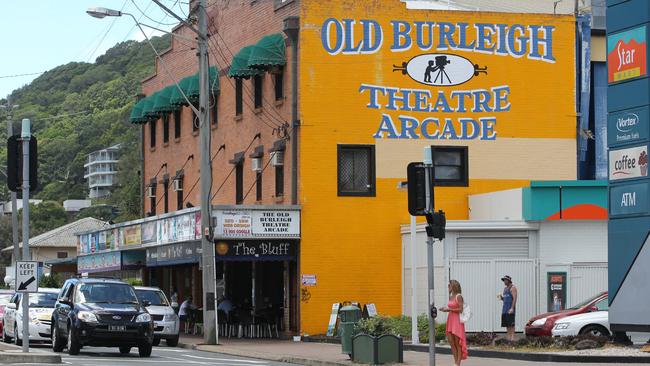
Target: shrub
(52,280)
(481,339)
(134,281)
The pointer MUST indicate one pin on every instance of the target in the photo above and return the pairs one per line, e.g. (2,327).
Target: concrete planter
(377,350)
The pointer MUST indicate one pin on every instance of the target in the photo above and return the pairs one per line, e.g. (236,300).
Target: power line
(233,168)
(19,75)
(106,33)
(151,19)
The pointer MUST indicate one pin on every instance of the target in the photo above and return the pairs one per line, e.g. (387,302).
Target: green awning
(147,108)
(239,66)
(193,86)
(136,113)
(268,52)
(177,98)
(161,103)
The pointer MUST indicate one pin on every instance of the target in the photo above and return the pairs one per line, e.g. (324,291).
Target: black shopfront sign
(255,250)
(180,253)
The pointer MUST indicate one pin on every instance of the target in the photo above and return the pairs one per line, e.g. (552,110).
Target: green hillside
(78,108)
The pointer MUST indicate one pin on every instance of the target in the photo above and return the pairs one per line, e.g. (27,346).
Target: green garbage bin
(349,316)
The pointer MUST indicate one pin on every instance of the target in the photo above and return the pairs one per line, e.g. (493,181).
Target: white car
(41,306)
(595,323)
(166,322)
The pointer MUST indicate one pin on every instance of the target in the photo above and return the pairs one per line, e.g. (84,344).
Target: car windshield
(4,299)
(155,297)
(43,299)
(585,303)
(110,293)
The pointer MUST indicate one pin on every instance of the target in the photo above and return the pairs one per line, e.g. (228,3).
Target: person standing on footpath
(509,298)
(455,328)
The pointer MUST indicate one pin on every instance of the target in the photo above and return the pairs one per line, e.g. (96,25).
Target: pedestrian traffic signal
(417,189)
(15,164)
(437,223)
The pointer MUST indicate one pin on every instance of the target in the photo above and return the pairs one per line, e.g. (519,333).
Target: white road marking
(227,359)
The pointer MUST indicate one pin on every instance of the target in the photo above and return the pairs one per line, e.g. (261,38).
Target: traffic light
(437,223)
(15,164)
(417,189)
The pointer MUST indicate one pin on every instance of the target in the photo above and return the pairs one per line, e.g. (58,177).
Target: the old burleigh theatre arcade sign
(460,73)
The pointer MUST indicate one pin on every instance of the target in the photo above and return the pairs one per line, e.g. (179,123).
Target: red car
(541,325)
(5,296)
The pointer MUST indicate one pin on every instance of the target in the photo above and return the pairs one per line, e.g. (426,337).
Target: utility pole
(14,205)
(428,163)
(210,333)
(26,136)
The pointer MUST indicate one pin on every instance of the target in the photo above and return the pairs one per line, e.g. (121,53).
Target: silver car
(166,323)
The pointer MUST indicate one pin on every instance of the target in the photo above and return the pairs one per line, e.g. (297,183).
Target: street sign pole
(428,163)
(26,135)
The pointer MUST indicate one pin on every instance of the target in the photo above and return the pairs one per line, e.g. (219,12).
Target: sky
(38,35)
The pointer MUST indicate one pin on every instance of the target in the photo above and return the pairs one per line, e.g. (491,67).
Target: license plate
(116,328)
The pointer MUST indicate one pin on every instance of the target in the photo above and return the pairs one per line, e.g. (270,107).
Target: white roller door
(492,245)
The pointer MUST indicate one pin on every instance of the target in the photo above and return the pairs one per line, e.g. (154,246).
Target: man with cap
(509,298)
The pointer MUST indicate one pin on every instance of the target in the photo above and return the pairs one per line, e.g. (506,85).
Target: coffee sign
(628,163)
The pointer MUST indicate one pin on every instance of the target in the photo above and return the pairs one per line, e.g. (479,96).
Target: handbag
(466,314)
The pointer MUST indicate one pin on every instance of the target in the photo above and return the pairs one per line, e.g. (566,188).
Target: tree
(46,216)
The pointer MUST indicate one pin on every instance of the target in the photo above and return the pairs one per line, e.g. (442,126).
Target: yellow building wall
(353,244)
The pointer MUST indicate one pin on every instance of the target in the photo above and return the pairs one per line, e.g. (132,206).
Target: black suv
(100,312)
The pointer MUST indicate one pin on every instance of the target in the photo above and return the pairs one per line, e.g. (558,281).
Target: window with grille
(177,123)
(62,254)
(165,118)
(239,183)
(279,84)
(166,195)
(258,186)
(279,180)
(356,170)
(179,194)
(450,166)
(152,133)
(215,115)
(257,85)
(238,97)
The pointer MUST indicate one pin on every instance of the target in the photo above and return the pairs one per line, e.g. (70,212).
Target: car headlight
(87,316)
(539,322)
(559,326)
(143,318)
(170,317)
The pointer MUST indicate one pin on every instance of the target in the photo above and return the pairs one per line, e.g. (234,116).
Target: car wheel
(16,334)
(172,342)
(57,343)
(73,342)
(156,341)
(125,350)
(595,331)
(144,350)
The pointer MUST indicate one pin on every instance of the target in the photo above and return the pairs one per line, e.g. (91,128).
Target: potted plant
(375,344)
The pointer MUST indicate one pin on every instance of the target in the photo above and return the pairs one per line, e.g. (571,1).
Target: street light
(100,13)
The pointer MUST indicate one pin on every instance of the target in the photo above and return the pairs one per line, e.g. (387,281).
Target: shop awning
(193,85)
(136,113)
(146,112)
(177,98)
(268,52)
(161,103)
(239,67)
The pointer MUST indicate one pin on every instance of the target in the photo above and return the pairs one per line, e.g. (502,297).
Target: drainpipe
(291,29)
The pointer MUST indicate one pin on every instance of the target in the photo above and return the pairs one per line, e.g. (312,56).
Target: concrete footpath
(10,353)
(323,354)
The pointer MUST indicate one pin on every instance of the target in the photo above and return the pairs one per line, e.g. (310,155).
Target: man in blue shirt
(509,298)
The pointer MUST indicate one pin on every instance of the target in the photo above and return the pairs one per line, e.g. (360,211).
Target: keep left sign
(27,276)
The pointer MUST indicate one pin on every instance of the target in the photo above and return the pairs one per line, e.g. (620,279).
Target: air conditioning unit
(257,164)
(177,185)
(151,192)
(277,158)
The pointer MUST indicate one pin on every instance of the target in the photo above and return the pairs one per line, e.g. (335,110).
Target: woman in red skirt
(455,329)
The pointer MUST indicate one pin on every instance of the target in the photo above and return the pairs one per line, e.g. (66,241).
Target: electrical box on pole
(15,164)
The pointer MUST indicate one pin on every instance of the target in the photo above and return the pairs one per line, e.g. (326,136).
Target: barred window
(356,170)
